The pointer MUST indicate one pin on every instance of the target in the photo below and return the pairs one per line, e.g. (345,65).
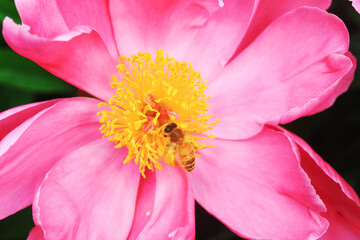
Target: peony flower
(265,65)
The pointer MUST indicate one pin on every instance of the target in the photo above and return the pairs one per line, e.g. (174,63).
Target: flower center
(158,112)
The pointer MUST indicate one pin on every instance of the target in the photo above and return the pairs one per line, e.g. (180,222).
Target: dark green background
(334,133)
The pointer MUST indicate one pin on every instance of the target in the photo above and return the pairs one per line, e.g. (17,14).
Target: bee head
(170,127)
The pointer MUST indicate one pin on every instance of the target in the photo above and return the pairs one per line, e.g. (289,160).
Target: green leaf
(21,73)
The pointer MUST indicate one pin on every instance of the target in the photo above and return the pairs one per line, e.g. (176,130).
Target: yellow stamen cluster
(151,94)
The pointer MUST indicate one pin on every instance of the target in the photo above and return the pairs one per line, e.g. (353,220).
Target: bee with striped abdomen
(184,149)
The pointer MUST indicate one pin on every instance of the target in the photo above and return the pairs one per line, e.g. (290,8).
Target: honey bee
(185,150)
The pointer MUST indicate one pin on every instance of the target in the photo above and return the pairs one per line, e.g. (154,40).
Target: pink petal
(89,194)
(165,206)
(356,5)
(266,12)
(328,97)
(258,189)
(341,201)
(36,234)
(13,117)
(43,17)
(294,68)
(200,32)
(79,56)
(31,149)
(57,17)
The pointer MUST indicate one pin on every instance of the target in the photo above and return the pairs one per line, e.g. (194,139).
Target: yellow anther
(152,94)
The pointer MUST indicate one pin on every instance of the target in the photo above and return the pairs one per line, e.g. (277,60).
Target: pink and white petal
(341,201)
(266,12)
(36,234)
(79,56)
(294,68)
(165,206)
(356,5)
(13,117)
(31,149)
(50,18)
(204,33)
(257,188)
(89,194)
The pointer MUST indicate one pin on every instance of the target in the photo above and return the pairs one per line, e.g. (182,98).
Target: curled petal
(78,56)
(341,201)
(57,17)
(43,17)
(259,191)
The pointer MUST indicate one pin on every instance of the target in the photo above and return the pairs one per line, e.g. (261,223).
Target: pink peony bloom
(265,65)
